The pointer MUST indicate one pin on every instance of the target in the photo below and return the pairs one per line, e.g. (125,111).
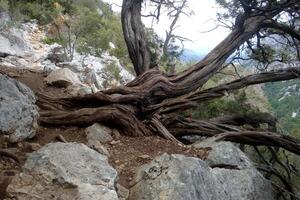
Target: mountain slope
(284,98)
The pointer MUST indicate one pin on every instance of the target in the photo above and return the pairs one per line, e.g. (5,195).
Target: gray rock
(12,42)
(99,133)
(18,112)
(4,17)
(74,66)
(56,54)
(49,66)
(16,61)
(179,177)
(96,145)
(123,193)
(62,78)
(225,153)
(65,171)
(79,90)
(193,138)
(246,184)
(93,79)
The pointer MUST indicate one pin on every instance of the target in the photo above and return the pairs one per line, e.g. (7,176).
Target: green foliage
(89,29)
(112,69)
(44,11)
(284,98)
(248,101)
(85,25)
(49,41)
(112,73)
(155,45)
(4,5)
(224,106)
(230,9)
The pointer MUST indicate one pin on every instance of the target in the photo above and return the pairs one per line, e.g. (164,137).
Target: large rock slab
(12,42)
(185,178)
(174,177)
(62,78)
(65,171)
(18,112)
(225,154)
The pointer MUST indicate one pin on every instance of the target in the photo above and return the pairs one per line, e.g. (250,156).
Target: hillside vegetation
(284,98)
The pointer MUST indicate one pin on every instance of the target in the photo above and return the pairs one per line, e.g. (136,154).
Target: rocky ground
(126,153)
(97,162)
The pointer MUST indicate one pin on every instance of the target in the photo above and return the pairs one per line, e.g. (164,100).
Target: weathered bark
(134,35)
(8,154)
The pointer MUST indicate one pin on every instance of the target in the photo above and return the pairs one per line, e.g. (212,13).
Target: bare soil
(126,153)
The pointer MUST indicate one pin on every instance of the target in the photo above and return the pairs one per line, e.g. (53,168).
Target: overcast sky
(192,27)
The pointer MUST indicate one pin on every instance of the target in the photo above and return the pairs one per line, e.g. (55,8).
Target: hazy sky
(192,27)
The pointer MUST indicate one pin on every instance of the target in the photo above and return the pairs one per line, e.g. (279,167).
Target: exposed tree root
(115,115)
(256,138)
(10,155)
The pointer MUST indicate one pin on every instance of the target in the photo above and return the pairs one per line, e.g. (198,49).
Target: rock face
(62,78)
(225,153)
(185,178)
(12,42)
(55,53)
(21,47)
(174,177)
(18,112)
(65,171)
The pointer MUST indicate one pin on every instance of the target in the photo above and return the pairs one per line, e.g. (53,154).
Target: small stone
(145,157)
(99,133)
(116,134)
(114,142)
(121,166)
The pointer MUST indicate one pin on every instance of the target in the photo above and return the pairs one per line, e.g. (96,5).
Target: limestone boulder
(65,171)
(18,112)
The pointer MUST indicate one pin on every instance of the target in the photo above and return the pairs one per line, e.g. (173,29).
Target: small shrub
(49,41)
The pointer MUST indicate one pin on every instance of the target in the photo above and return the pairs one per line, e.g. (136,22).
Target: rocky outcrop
(179,177)
(65,171)
(22,48)
(12,42)
(62,78)
(18,112)
(224,154)
(55,53)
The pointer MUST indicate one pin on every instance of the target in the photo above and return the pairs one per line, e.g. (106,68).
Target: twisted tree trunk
(146,105)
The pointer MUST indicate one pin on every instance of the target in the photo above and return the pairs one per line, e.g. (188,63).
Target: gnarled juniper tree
(148,104)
